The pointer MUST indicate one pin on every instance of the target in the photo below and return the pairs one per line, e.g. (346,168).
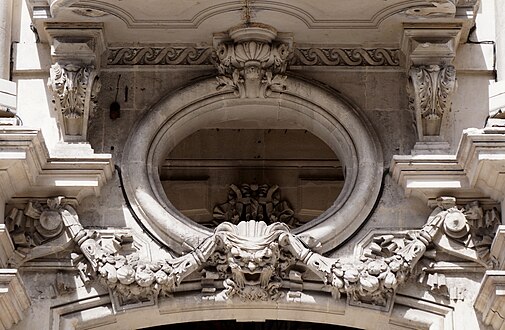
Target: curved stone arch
(408,313)
(304,105)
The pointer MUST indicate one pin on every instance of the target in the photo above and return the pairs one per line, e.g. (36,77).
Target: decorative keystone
(252,63)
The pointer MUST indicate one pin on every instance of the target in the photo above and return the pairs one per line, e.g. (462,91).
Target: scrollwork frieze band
(304,56)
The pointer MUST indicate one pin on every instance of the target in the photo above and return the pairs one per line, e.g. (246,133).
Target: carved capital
(431,88)
(252,64)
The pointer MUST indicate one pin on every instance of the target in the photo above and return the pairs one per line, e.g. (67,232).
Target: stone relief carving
(255,261)
(431,93)
(345,57)
(252,68)
(160,56)
(75,89)
(33,227)
(314,56)
(254,202)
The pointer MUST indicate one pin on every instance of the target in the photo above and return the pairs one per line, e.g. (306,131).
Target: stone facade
(169,162)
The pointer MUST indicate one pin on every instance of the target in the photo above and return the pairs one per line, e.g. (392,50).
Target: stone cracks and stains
(75,89)
(252,68)
(254,202)
(310,56)
(431,89)
(255,261)
(435,8)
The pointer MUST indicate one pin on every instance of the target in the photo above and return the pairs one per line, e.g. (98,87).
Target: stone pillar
(5,37)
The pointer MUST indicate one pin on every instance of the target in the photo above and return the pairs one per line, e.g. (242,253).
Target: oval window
(223,174)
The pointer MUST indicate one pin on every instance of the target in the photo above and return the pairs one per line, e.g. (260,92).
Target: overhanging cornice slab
(477,170)
(27,168)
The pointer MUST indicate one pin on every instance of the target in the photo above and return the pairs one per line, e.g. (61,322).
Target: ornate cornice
(303,56)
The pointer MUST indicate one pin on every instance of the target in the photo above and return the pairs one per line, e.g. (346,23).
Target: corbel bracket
(429,50)
(76,51)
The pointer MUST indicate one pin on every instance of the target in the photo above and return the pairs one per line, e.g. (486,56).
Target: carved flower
(369,283)
(395,265)
(144,276)
(376,267)
(351,275)
(126,275)
(161,277)
(390,281)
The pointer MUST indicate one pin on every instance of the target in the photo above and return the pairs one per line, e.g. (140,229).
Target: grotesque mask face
(253,266)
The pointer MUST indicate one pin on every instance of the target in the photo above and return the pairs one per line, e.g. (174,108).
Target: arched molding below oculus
(304,105)
(407,312)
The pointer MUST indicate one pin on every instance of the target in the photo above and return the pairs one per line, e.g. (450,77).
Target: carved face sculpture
(253,266)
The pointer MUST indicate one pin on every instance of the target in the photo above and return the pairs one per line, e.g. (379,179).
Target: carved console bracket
(251,61)
(429,50)
(74,83)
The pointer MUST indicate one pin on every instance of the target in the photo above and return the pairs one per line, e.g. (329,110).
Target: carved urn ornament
(252,63)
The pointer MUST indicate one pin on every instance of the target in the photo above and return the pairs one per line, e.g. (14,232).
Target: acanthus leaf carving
(431,94)
(252,68)
(75,89)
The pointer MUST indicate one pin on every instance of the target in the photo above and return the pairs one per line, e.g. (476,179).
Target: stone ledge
(28,169)
(475,171)
(13,298)
(491,298)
